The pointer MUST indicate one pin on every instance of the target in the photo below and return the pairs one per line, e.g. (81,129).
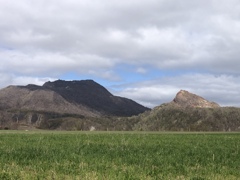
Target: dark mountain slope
(95,96)
(84,97)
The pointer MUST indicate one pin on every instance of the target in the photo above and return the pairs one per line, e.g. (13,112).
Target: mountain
(188,112)
(187,99)
(96,97)
(86,105)
(84,98)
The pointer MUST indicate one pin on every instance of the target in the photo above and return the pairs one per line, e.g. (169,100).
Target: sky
(144,50)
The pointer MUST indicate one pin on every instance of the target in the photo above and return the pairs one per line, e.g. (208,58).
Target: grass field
(119,155)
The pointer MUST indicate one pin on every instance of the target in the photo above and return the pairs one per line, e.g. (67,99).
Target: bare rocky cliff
(187,99)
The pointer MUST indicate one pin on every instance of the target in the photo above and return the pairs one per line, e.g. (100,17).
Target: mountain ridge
(82,105)
(76,95)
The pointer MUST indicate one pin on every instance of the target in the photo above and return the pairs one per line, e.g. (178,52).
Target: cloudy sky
(145,50)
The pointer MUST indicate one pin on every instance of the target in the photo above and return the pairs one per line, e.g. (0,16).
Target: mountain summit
(187,99)
(85,97)
(94,96)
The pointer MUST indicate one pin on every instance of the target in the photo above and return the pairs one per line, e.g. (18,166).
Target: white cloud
(162,33)
(51,63)
(141,70)
(223,89)
(23,80)
(51,38)
(10,79)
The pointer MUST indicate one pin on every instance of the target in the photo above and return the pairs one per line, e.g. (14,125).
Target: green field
(119,155)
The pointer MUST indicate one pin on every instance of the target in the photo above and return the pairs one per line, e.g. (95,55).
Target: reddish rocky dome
(187,99)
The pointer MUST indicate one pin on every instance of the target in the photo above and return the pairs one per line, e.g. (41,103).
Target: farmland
(119,155)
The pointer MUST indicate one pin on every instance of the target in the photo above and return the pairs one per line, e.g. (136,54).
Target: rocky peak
(74,84)
(187,99)
(80,89)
